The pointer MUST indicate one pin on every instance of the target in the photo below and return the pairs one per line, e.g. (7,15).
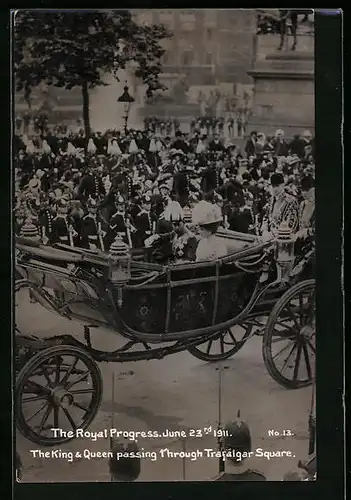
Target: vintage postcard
(164,230)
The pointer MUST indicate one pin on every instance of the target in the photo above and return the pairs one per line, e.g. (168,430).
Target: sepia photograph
(163,212)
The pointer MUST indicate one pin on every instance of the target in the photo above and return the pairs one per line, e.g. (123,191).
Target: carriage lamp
(284,250)
(30,231)
(119,262)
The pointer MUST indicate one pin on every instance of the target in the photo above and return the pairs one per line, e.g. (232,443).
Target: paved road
(177,392)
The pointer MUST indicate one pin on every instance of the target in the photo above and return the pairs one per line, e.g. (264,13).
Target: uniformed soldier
(62,229)
(46,218)
(282,207)
(237,447)
(91,186)
(125,463)
(76,215)
(145,222)
(209,218)
(93,233)
(119,224)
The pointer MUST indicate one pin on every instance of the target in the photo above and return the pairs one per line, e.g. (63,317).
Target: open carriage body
(158,303)
(160,310)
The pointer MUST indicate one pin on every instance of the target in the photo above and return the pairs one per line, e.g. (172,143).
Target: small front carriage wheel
(289,338)
(223,345)
(60,387)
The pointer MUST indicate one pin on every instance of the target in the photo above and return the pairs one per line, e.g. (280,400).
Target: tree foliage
(74,48)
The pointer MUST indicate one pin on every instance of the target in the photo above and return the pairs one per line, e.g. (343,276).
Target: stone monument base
(283,93)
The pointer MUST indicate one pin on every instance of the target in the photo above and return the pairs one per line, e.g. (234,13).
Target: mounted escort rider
(208,217)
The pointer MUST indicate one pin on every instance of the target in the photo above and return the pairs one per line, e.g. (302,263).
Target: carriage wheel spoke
(222,344)
(82,391)
(311,346)
(31,385)
(281,351)
(56,416)
(81,377)
(209,345)
(288,359)
(58,369)
(69,371)
(80,406)
(34,398)
(69,418)
(297,362)
(281,338)
(44,419)
(232,336)
(37,411)
(307,361)
(301,309)
(46,375)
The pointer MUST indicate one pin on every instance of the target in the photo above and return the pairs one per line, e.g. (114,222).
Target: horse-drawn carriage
(209,309)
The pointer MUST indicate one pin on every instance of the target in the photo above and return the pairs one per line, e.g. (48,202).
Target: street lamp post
(127,101)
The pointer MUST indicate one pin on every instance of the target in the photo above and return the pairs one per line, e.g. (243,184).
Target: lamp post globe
(127,101)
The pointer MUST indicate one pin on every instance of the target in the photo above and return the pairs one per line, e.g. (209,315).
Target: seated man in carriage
(174,242)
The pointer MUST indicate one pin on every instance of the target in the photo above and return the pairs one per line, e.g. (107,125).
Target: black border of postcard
(330,427)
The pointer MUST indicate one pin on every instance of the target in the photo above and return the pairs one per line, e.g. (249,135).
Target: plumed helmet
(205,214)
(124,465)
(62,202)
(238,436)
(91,203)
(120,200)
(217,198)
(146,199)
(173,212)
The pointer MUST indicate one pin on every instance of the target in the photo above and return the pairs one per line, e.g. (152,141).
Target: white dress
(210,248)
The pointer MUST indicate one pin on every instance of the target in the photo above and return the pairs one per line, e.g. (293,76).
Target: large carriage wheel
(59,387)
(289,338)
(224,345)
